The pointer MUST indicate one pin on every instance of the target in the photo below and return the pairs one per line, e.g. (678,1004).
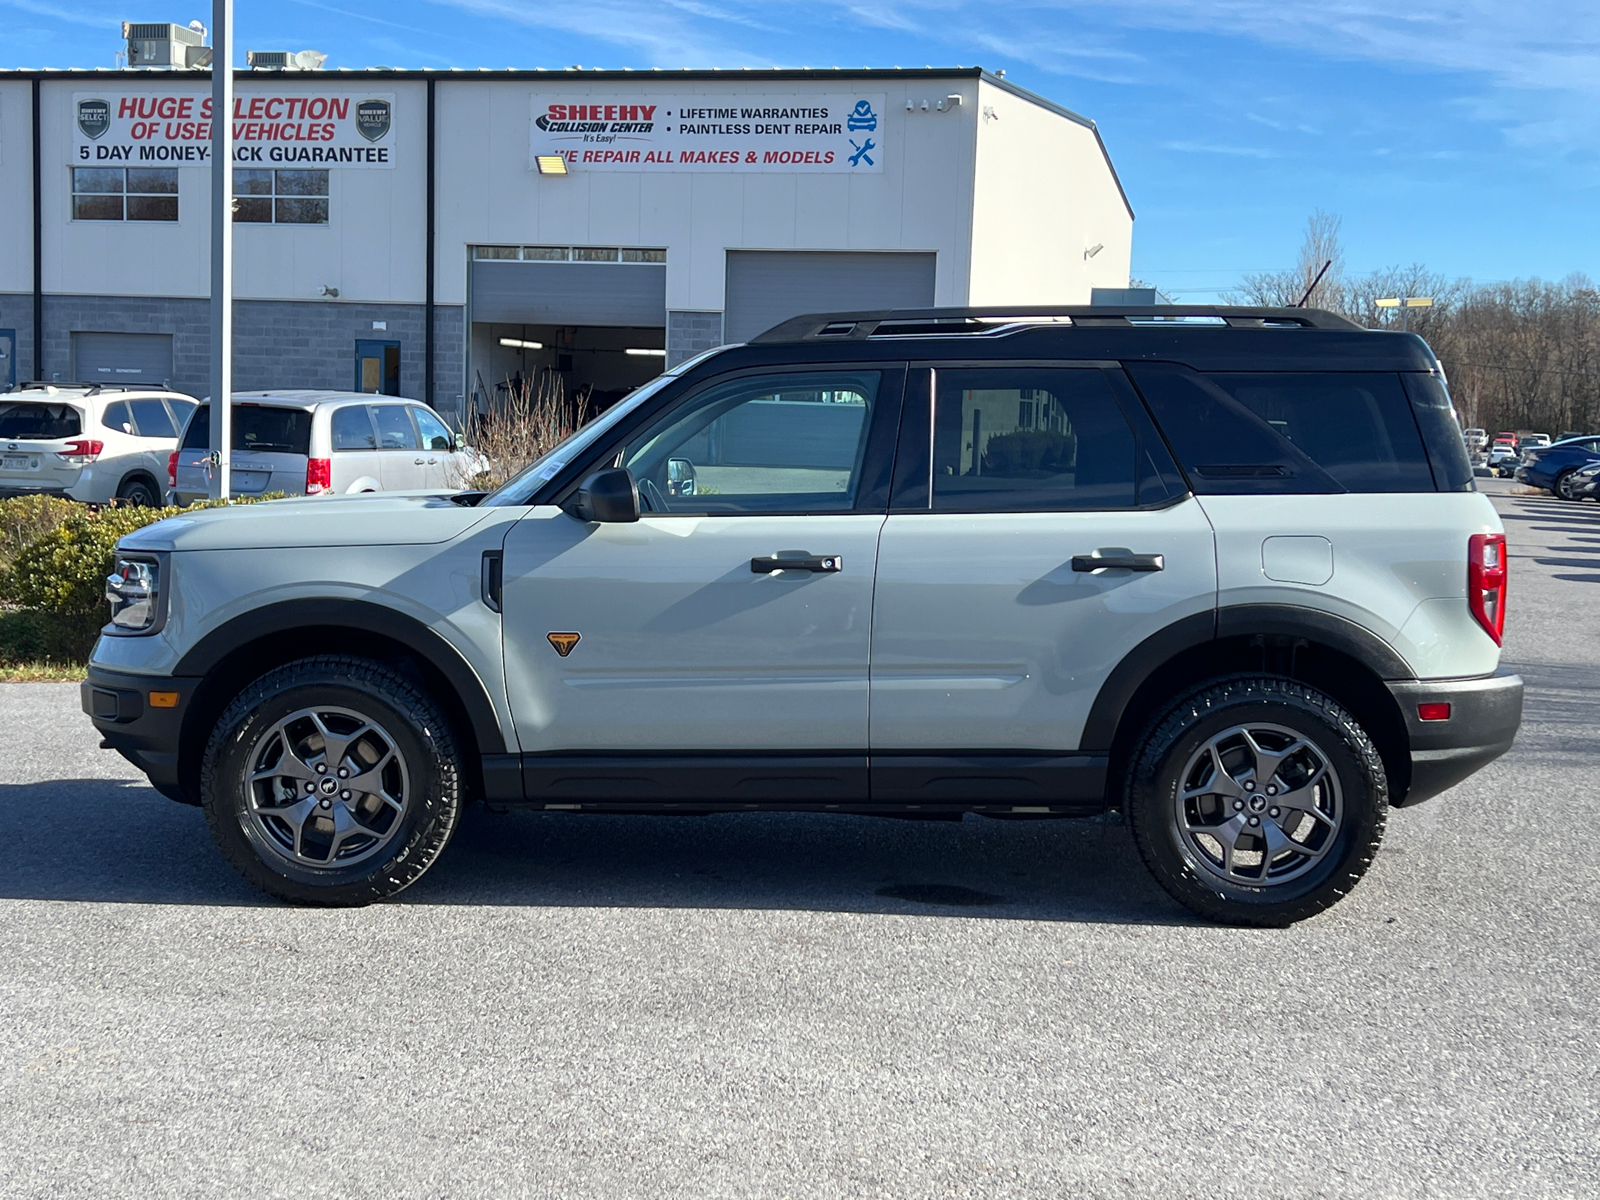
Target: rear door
(400,456)
(357,466)
(993,628)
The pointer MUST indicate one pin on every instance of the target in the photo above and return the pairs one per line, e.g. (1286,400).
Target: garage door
(569,293)
(136,358)
(766,287)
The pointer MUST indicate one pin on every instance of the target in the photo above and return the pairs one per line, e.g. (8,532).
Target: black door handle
(1124,562)
(822,563)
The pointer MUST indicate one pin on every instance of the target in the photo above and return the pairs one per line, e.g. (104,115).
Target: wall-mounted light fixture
(331,292)
(519,344)
(550,164)
(1090,251)
(642,353)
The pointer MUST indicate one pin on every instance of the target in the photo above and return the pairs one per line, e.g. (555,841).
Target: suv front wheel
(332,781)
(1257,801)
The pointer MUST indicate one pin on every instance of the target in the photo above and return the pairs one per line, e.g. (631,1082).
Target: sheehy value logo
(372,119)
(94,118)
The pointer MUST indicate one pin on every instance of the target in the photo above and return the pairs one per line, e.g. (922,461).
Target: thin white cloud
(1215,148)
(73,16)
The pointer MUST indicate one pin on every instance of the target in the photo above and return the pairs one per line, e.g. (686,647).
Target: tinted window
(395,431)
(1441,432)
(774,443)
(434,435)
(151,419)
(117,417)
(352,429)
(255,427)
(1288,432)
(1030,439)
(29,419)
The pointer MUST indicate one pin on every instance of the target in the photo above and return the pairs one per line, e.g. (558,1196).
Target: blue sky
(1463,134)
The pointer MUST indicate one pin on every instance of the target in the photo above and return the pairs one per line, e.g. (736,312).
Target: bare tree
(1281,289)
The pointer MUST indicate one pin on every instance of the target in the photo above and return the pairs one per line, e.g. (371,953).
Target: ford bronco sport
(1221,570)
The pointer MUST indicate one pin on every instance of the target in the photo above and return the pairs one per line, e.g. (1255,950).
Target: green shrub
(26,518)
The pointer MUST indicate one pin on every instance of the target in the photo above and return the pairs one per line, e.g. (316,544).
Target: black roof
(1214,338)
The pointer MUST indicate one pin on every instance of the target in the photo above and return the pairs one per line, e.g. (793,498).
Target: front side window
(124,193)
(262,197)
(1030,439)
(434,435)
(768,444)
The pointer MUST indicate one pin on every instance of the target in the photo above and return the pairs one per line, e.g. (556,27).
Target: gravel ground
(731,1006)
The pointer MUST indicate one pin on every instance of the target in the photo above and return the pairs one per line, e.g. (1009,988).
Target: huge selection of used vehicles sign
(595,131)
(172,127)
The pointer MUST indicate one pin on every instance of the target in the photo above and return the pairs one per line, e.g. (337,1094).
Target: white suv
(88,441)
(1223,571)
(314,443)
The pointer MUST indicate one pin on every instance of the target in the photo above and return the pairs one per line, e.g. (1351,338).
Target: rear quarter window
(1288,432)
(33,419)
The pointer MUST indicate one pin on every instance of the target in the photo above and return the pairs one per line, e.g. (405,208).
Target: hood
(380,519)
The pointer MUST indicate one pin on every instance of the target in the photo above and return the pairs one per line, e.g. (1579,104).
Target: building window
(594,254)
(280,197)
(644,256)
(494,252)
(544,254)
(124,193)
(608,254)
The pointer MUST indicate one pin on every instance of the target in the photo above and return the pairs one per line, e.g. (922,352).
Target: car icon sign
(862,117)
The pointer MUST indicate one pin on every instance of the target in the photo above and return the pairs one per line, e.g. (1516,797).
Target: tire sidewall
(138,494)
(1563,483)
(1153,807)
(431,808)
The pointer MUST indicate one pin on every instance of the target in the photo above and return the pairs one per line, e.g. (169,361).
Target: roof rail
(999,320)
(91,387)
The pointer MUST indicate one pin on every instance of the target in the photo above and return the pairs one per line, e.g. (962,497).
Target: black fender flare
(1239,620)
(330,613)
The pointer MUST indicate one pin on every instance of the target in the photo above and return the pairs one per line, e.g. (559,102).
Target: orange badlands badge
(563,642)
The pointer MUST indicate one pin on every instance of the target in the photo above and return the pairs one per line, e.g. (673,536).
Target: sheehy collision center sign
(172,126)
(598,132)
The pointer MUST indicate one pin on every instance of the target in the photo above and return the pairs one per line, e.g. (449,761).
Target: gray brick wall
(276,343)
(688,333)
(16,314)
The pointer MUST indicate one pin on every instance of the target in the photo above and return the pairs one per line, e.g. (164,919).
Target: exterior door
(8,357)
(378,367)
(992,627)
(732,620)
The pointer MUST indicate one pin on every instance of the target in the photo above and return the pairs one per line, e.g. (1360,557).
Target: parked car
(89,441)
(1555,466)
(316,443)
(1503,458)
(1584,484)
(1200,574)
(1477,440)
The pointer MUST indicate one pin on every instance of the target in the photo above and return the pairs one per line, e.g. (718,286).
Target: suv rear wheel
(1257,801)
(139,492)
(1562,486)
(332,781)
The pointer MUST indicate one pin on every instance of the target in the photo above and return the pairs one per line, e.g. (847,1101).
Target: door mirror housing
(608,496)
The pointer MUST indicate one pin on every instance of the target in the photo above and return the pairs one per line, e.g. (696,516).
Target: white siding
(1045,193)
(16,187)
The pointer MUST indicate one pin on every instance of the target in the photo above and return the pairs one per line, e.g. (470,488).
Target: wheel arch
(1332,653)
(143,473)
(232,655)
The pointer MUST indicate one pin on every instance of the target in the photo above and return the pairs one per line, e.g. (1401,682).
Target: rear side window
(31,419)
(255,427)
(1288,432)
(395,431)
(117,417)
(1030,440)
(150,418)
(351,429)
(1441,432)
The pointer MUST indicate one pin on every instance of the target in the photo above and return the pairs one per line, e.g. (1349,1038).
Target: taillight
(84,450)
(172,469)
(1486,582)
(319,475)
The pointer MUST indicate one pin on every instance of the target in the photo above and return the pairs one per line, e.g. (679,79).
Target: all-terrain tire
(1177,748)
(263,752)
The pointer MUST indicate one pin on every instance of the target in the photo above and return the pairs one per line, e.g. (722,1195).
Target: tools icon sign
(861,154)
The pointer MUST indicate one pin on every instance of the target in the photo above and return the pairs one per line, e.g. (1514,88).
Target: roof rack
(91,388)
(1000,321)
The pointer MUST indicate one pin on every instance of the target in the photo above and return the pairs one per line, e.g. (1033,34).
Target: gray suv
(1221,570)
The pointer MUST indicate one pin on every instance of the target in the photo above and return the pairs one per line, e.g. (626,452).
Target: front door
(715,651)
(378,367)
(993,628)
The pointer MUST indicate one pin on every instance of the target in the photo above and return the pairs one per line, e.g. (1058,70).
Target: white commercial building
(433,234)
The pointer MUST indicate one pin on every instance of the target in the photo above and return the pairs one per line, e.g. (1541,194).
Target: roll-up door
(569,293)
(766,287)
(134,358)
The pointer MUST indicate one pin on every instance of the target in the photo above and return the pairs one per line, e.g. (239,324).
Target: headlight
(134,589)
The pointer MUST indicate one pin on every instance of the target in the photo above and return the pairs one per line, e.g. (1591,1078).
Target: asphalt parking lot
(771,1006)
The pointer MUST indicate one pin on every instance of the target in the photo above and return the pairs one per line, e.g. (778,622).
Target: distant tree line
(1523,355)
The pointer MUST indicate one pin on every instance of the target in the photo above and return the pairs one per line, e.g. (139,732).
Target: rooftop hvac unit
(284,60)
(166,47)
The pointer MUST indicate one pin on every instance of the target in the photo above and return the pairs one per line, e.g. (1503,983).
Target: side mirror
(680,477)
(608,495)
(457,442)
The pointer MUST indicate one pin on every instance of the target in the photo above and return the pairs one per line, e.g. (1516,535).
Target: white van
(316,443)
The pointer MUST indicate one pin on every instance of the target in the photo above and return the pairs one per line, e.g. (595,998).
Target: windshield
(520,488)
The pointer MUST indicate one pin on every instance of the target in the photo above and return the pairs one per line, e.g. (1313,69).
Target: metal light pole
(221,246)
